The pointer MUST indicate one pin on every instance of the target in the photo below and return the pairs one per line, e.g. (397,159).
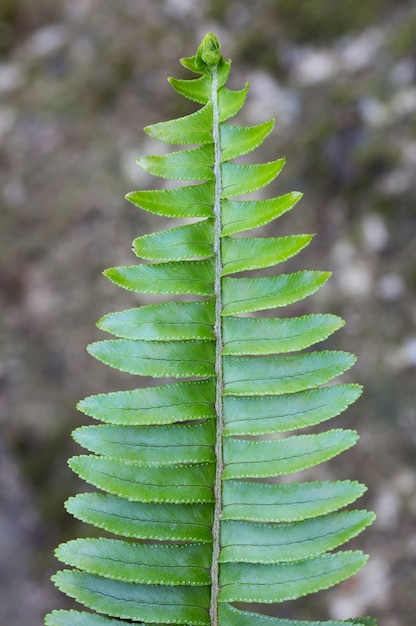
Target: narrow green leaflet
(236,140)
(244,295)
(147,483)
(240,179)
(277,583)
(276,457)
(241,215)
(253,376)
(188,201)
(194,128)
(230,102)
(164,404)
(163,359)
(247,335)
(278,543)
(271,414)
(157,445)
(194,164)
(199,89)
(144,520)
(134,601)
(230,616)
(169,321)
(242,254)
(267,502)
(79,618)
(149,564)
(191,482)
(192,240)
(194,277)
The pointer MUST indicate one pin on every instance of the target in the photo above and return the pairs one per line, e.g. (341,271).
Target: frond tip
(189,473)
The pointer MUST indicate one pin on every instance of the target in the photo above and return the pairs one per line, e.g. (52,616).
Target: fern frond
(189,472)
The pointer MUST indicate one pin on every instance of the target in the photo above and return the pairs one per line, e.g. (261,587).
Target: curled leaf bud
(210,49)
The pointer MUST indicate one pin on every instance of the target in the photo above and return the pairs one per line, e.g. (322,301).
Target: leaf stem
(216,539)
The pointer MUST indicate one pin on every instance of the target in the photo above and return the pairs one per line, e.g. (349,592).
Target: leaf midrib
(216,546)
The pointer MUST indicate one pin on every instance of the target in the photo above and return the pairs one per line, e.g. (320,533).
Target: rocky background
(78,81)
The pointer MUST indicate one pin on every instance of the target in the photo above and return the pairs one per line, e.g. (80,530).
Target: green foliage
(188,472)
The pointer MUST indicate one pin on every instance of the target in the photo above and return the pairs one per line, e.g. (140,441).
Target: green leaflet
(277,583)
(194,277)
(149,564)
(192,240)
(183,604)
(271,414)
(170,321)
(194,164)
(193,358)
(240,179)
(189,201)
(236,140)
(278,543)
(275,457)
(166,404)
(79,618)
(254,376)
(241,215)
(147,483)
(199,89)
(264,502)
(158,445)
(188,473)
(144,520)
(230,102)
(251,254)
(230,616)
(247,335)
(194,128)
(245,295)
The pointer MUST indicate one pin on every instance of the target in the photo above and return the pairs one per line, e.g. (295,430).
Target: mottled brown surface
(78,80)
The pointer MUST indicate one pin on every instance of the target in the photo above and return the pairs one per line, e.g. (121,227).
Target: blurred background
(78,81)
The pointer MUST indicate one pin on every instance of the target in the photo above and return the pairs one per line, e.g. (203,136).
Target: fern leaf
(247,335)
(247,295)
(256,582)
(194,128)
(143,520)
(199,89)
(241,215)
(293,541)
(189,472)
(156,564)
(177,244)
(251,254)
(147,483)
(167,404)
(193,277)
(275,457)
(189,201)
(170,321)
(254,376)
(260,415)
(241,179)
(238,140)
(231,616)
(194,164)
(179,604)
(264,502)
(157,445)
(162,359)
